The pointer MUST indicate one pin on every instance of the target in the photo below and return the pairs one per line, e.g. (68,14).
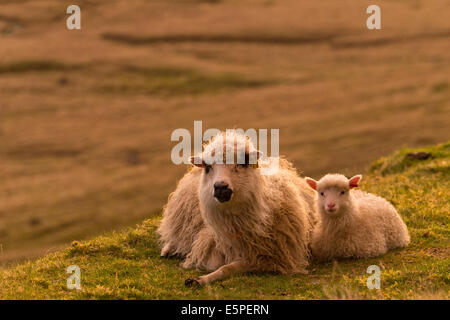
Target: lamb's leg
(223,272)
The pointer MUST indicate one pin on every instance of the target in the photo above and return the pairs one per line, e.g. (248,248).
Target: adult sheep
(242,220)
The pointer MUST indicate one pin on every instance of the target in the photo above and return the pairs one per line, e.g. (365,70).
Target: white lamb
(353,223)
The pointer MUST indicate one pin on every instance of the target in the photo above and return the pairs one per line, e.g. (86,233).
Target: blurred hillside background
(86,116)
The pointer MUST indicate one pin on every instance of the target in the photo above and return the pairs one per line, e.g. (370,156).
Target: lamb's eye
(208,167)
(342,192)
(321,193)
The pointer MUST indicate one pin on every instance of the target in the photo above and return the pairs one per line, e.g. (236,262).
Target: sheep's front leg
(223,272)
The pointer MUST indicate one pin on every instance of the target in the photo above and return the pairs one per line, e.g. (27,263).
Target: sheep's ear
(254,156)
(257,154)
(312,183)
(354,181)
(197,161)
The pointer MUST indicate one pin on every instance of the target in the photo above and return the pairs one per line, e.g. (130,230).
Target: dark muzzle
(222,192)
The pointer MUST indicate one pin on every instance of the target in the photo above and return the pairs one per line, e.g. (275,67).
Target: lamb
(248,221)
(353,223)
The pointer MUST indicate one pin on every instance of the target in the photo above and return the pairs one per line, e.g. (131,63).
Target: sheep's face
(334,193)
(230,171)
(228,183)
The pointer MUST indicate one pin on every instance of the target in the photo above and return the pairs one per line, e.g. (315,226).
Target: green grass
(127,265)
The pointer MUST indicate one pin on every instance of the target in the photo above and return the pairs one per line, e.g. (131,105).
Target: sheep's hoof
(167,251)
(191,283)
(168,255)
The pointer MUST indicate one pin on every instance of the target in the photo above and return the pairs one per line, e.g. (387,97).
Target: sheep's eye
(321,193)
(342,192)
(208,167)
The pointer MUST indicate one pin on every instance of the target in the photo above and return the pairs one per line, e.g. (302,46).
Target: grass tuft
(402,160)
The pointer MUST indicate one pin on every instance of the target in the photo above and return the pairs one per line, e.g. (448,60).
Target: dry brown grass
(78,159)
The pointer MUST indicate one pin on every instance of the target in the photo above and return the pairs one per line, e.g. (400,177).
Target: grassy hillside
(86,116)
(127,265)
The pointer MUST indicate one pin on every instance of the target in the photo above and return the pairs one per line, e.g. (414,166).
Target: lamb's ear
(312,183)
(354,181)
(197,161)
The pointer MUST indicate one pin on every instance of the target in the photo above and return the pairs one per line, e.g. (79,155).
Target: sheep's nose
(331,205)
(220,185)
(222,192)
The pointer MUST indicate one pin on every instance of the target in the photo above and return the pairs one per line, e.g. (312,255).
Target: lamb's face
(334,193)
(333,200)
